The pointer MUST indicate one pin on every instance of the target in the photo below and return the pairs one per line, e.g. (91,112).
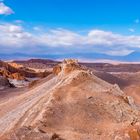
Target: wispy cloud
(5,10)
(137,21)
(131,30)
(15,38)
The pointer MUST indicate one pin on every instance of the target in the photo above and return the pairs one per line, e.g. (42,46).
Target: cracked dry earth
(73,105)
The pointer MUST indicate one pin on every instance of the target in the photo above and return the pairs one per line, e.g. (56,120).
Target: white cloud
(121,52)
(61,37)
(16,38)
(13,35)
(113,40)
(5,10)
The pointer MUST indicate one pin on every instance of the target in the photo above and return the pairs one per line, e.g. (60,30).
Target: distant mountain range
(133,57)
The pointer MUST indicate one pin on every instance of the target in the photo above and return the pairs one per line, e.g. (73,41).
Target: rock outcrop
(4,83)
(17,72)
(66,67)
(19,75)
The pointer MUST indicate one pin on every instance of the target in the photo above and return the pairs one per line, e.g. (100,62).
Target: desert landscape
(69,100)
(69,69)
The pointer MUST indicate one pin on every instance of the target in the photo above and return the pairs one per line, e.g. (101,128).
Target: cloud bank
(16,38)
(5,10)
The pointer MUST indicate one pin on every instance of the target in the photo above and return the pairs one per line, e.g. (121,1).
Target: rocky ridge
(73,105)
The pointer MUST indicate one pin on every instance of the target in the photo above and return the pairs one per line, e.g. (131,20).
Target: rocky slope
(16,71)
(112,67)
(37,63)
(4,83)
(72,105)
(18,74)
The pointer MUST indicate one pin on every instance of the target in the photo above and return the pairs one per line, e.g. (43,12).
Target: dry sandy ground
(8,93)
(14,108)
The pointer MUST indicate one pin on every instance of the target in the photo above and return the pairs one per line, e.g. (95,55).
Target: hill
(72,105)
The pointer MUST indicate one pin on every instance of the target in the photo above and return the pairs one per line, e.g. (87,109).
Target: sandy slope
(75,104)
(17,106)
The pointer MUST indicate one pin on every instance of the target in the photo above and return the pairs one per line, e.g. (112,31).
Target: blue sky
(104,14)
(111,27)
(76,14)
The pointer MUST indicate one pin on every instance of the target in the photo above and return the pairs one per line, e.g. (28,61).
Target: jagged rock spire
(66,66)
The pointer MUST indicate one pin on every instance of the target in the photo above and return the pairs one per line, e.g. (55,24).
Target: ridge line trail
(19,107)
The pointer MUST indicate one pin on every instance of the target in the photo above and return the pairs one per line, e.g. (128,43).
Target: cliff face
(15,71)
(10,71)
(73,105)
(4,83)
